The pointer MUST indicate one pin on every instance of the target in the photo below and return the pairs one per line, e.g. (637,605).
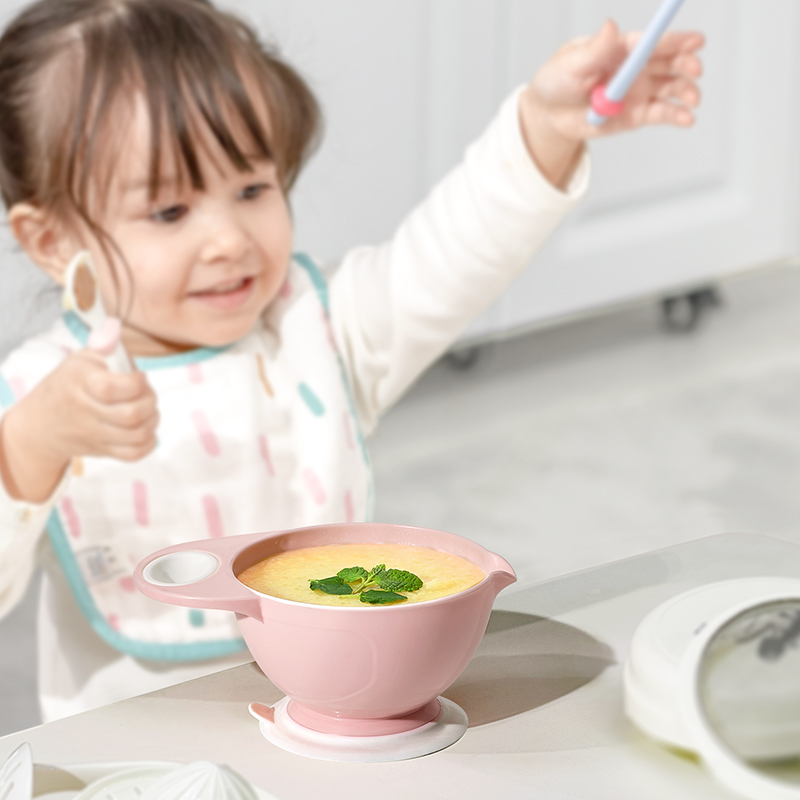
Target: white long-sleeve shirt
(265,434)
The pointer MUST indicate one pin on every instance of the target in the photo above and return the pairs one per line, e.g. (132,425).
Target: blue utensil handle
(618,87)
(634,63)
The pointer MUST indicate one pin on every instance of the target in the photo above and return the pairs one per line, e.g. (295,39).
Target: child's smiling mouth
(231,294)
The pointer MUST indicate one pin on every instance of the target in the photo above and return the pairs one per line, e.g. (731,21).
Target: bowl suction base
(431,737)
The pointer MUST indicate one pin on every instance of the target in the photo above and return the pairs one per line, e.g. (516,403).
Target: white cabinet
(671,209)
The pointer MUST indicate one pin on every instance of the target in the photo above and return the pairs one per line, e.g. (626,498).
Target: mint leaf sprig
(356,580)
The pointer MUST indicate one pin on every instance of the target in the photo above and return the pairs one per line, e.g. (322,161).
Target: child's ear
(44,238)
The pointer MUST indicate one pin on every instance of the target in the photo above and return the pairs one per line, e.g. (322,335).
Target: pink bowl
(355,671)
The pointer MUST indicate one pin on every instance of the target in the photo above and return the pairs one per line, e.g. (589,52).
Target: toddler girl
(164,139)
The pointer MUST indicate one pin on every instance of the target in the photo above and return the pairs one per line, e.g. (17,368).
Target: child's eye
(253,192)
(171,214)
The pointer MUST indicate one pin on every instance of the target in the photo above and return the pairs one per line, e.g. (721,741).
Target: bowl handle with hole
(199,574)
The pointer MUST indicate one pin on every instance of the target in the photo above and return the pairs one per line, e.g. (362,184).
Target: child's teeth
(229,287)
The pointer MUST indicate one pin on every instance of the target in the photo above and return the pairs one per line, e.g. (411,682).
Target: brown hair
(65,65)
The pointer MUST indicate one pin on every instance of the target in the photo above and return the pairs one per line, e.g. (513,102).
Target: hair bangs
(201,73)
(194,84)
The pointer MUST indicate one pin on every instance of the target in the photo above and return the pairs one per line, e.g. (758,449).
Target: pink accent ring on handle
(603,106)
(104,339)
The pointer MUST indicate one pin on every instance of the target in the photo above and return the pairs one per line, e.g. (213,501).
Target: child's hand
(554,106)
(80,409)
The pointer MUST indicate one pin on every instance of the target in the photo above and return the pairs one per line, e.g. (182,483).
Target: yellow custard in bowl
(287,575)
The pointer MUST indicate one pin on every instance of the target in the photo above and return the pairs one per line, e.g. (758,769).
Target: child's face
(204,264)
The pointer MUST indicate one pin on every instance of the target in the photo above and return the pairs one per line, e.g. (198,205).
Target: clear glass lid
(742,698)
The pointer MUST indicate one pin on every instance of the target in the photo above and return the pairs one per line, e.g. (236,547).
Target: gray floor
(583,444)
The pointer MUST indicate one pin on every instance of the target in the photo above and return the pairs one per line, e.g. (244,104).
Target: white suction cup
(279,728)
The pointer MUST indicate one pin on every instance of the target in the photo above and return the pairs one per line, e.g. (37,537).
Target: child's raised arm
(553,106)
(396,307)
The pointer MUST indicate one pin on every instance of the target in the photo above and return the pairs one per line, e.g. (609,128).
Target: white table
(543,695)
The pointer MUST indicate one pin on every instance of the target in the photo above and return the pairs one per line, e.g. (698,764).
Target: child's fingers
(680,89)
(671,43)
(684,64)
(131,452)
(654,112)
(669,114)
(687,64)
(114,387)
(129,441)
(676,42)
(601,54)
(605,52)
(681,63)
(141,413)
(661,113)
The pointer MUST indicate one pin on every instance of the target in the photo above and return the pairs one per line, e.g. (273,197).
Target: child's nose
(226,240)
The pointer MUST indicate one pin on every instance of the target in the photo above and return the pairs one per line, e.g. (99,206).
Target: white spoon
(82,297)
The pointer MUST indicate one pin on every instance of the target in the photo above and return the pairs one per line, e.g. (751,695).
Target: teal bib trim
(156,651)
(179,359)
(317,279)
(146,364)
(320,284)
(76,328)
(7,398)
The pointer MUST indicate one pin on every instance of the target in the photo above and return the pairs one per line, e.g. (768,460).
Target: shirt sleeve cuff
(20,514)
(519,164)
